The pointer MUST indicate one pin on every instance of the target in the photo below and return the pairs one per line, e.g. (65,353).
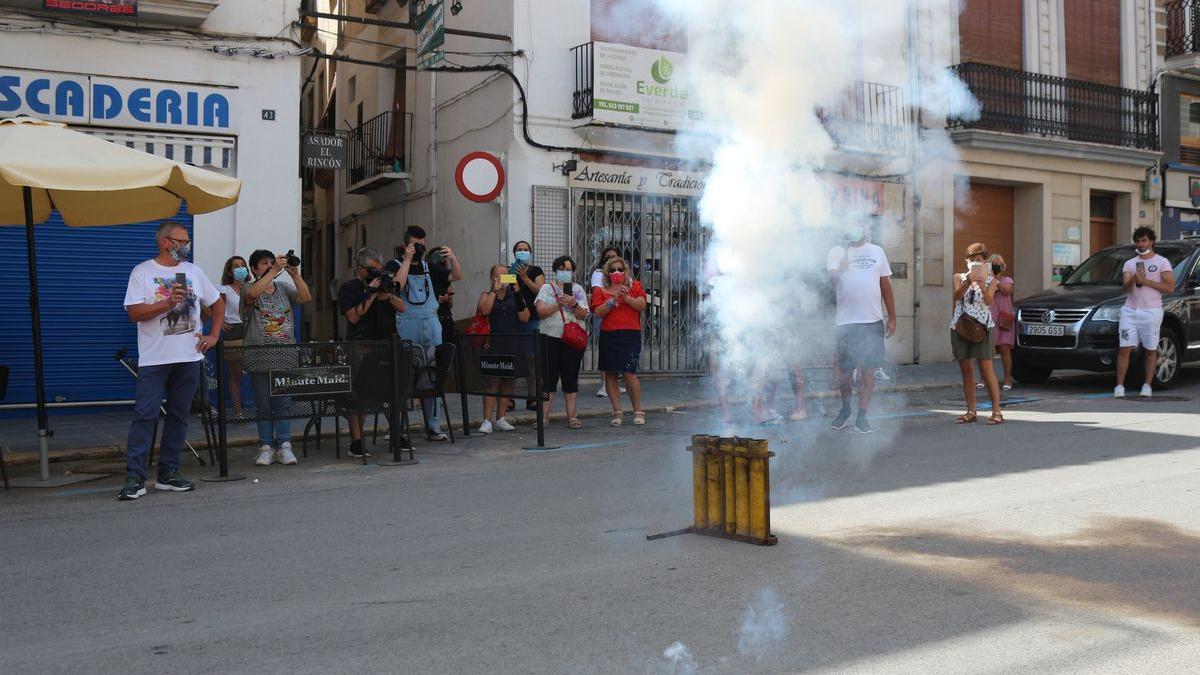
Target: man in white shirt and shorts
(1146,277)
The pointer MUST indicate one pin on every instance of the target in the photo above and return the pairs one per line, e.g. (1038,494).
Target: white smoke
(781,87)
(763,627)
(679,660)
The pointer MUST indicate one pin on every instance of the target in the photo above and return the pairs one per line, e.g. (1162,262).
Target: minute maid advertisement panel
(640,87)
(108,101)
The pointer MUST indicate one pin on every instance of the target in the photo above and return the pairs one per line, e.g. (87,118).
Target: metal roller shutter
(986,216)
(82,274)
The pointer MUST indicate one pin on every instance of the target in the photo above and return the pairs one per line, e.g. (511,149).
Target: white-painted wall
(268,213)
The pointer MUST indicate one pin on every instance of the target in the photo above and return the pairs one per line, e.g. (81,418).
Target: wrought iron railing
(581,100)
(1183,27)
(1018,102)
(869,117)
(381,145)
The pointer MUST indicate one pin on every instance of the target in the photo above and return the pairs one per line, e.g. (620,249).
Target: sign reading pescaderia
(640,87)
(614,177)
(322,381)
(110,101)
(324,151)
(98,7)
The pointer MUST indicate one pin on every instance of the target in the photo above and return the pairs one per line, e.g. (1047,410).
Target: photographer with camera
(370,305)
(421,277)
(267,309)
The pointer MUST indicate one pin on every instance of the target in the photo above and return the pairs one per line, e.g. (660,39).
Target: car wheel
(1169,360)
(1030,374)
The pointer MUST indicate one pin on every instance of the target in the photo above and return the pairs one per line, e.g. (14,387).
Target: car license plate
(1043,329)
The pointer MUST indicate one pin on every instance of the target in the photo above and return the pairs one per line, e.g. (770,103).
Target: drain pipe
(914,75)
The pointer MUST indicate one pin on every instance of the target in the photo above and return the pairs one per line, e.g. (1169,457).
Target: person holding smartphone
(560,302)
(163,298)
(1145,278)
(507,313)
(620,303)
(974,293)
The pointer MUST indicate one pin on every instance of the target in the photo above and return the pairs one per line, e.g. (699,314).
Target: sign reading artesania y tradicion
(641,87)
(649,180)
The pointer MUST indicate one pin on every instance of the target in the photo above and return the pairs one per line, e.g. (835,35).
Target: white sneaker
(1147,392)
(486,427)
(621,388)
(503,425)
(602,392)
(881,374)
(1119,391)
(266,455)
(285,454)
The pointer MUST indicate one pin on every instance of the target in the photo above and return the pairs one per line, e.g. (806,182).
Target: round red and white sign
(480,176)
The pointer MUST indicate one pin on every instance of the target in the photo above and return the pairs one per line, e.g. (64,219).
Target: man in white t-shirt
(860,272)
(164,298)
(1146,277)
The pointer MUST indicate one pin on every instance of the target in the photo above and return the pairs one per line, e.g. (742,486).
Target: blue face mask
(241,273)
(522,257)
(564,276)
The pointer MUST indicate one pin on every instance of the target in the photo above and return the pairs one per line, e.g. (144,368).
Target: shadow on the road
(1124,564)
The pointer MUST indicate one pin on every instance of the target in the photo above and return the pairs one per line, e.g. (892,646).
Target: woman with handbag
(562,309)
(971,331)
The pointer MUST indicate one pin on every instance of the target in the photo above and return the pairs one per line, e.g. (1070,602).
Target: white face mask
(1142,251)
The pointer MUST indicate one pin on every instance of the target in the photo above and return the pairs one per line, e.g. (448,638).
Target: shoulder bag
(573,336)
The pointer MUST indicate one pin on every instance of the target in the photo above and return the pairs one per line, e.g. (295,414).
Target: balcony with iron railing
(1032,104)
(380,151)
(869,118)
(1183,31)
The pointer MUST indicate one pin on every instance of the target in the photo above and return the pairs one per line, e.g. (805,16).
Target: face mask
(241,273)
(522,257)
(564,276)
(1142,251)
(181,252)
(854,234)
(617,278)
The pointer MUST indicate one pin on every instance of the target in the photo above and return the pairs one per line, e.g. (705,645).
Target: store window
(1189,129)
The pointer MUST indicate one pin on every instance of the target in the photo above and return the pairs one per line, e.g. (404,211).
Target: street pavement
(1064,541)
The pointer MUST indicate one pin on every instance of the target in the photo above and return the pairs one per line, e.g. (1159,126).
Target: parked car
(1074,325)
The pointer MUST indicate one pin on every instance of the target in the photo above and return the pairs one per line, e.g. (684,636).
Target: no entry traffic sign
(480,177)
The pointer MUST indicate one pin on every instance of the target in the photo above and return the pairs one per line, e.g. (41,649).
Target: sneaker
(621,388)
(1147,392)
(602,392)
(356,449)
(173,482)
(861,425)
(265,456)
(438,435)
(1119,391)
(843,417)
(881,374)
(285,455)
(486,427)
(133,488)
(504,425)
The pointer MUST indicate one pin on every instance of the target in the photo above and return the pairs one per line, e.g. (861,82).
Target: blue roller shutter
(82,274)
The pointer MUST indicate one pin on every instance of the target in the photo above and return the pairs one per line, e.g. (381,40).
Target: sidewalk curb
(102,452)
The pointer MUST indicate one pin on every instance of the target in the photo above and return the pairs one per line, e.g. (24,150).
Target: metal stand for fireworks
(731,490)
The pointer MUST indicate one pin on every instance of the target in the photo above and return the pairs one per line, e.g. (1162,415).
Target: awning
(210,151)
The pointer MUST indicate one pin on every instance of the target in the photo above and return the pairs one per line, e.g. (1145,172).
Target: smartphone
(508,279)
(567,288)
(1141,267)
(181,279)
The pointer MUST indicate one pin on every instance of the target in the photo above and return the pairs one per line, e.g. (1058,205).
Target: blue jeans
(178,382)
(271,431)
(425,331)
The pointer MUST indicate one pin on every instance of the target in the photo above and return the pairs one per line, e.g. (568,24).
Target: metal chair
(429,381)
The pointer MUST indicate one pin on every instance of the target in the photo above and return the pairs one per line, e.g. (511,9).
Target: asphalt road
(1064,541)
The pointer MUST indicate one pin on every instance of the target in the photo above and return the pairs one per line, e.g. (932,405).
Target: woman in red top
(619,303)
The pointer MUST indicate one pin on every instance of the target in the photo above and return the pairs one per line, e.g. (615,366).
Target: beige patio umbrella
(90,181)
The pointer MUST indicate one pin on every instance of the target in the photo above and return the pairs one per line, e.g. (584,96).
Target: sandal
(967,418)
(617,418)
(639,418)
(995,419)
(574,423)
(980,385)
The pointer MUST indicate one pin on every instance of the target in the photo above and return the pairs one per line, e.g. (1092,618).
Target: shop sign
(96,7)
(430,25)
(617,178)
(1182,190)
(641,87)
(324,151)
(498,365)
(108,101)
(322,381)
(856,191)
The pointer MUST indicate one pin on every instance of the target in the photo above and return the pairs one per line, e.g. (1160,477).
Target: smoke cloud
(763,627)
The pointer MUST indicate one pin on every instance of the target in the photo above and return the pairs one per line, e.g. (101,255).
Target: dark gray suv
(1074,325)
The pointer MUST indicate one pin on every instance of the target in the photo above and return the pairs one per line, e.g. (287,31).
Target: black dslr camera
(292,259)
(387,283)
